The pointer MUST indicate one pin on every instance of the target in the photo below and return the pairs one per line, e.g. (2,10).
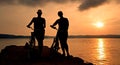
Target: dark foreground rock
(19,55)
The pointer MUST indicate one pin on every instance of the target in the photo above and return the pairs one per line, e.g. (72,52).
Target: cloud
(31,2)
(7,2)
(41,2)
(118,1)
(86,4)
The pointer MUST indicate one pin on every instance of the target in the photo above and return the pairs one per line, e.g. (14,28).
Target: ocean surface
(99,51)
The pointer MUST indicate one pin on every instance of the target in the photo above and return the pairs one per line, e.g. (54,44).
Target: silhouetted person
(39,29)
(63,24)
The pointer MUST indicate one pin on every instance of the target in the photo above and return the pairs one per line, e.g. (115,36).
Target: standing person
(63,24)
(39,29)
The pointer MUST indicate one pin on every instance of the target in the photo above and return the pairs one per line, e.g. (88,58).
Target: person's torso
(63,24)
(39,23)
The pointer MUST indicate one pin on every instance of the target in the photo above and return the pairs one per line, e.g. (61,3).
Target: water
(100,51)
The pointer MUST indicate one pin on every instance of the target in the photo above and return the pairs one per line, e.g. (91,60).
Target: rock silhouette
(18,55)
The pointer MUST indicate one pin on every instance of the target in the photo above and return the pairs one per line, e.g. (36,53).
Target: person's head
(60,13)
(39,12)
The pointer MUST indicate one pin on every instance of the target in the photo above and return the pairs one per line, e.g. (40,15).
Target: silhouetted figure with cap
(39,29)
(63,24)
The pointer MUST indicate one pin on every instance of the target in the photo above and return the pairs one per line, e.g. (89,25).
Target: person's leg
(39,37)
(60,37)
(64,43)
(65,46)
(40,46)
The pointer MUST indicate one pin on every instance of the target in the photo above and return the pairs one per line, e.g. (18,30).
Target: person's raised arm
(54,24)
(30,23)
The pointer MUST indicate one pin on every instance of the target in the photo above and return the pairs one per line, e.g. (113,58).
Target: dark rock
(19,55)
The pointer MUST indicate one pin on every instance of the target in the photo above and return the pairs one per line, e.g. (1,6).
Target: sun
(99,24)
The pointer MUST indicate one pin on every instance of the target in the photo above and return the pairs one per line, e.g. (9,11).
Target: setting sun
(99,24)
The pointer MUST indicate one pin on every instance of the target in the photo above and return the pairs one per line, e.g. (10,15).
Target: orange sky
(14,18)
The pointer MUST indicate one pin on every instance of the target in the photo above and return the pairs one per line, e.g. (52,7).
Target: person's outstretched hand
(53,27)
(28,26)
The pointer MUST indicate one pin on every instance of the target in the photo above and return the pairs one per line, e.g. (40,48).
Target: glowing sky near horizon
(14,17)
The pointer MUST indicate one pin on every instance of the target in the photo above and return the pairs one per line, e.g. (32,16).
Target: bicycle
(55,44)
(30,46)
(31,42)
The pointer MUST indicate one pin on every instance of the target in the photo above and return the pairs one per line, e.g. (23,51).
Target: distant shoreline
(70,36)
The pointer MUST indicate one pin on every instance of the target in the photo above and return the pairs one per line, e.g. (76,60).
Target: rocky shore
(19,55)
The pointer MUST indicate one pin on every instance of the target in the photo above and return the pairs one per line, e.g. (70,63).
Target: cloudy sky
(83,15)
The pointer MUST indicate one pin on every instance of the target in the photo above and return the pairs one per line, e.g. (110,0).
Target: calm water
(100,51)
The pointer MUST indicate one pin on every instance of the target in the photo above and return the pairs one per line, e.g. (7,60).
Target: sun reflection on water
(101,51)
